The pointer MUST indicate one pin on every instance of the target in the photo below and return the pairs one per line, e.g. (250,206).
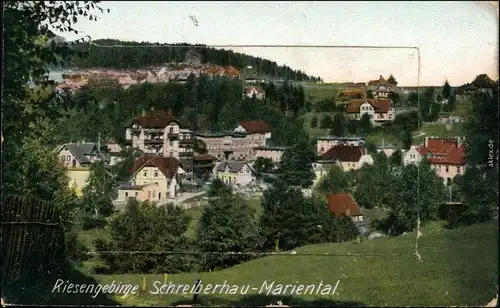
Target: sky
(457,40)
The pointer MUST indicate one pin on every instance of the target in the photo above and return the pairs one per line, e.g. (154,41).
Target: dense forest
(119,57)
(209,104)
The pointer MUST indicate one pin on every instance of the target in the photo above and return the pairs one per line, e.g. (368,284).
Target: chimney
(426,142)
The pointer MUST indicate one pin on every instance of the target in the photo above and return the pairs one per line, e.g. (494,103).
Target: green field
(459,267)
(321,91)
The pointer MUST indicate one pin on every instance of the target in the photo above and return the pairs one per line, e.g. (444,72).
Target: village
(169,170)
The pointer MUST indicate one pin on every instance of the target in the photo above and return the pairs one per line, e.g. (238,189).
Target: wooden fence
(32,240)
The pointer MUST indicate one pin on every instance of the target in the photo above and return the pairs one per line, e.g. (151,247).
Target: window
(68,158)
(126,194)
(145,173)
(156,174)
(149,194)
(159,195)
(446,169)
(154,193)
(136,194)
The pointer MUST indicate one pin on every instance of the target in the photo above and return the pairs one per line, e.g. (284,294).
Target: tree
(263,165)
(391,80)
(412,100)
(314,122)
(218,188)
(338,125)
(334,182)
(369,94)
(396,158)
(146,227)
(407,139)
(226,224)
(326,122)
(481,131)
(479,192)
(395,98)
(371,180)
(416,192)
(296,165)
(365,124)
(352,126)
(30,166)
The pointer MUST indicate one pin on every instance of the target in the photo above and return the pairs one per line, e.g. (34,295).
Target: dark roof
(270,148)
(80,151)
(159,119)
(343,204)
(167,165)
(205,157)
(254,127)
(380,105)
(345,153)
(233,165)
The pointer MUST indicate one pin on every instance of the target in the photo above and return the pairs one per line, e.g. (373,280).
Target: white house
(414,155)
(235,172)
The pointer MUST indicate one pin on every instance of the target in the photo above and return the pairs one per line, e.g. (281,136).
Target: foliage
(395,98)
(352,126)
(226,224)
(218,188)
(146,227)
(446,90)
(338,125)
(428,106)
(407,139)
(396,158)
(325,105)
(371,181)
(416,192)
(314,122)
(412,100)
(476,189)
(263,164)
(335,181)
(326,122)
(391,80)
(289,132)
(481,131)
(406,121)
(296,165)
(365,124)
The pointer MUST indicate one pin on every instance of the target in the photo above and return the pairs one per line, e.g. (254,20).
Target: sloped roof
(159,119)
(483,81)
(441,146)
(254,127)
(343,204)
(380,105)
(345,153)
(456,156)
(380,80)
(80,150)
(168,166)
(233,165)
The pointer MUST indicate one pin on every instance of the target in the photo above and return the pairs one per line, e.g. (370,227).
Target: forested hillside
(209,104)
(141,57)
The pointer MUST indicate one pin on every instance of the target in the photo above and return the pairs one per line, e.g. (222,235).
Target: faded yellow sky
(458,40)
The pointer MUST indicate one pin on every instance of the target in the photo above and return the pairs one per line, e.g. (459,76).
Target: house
(77,157)
(154,178)
(446,156)
(324,144)
(344,205)
(160,133)
(231,72)
(235,172)
(381,110)
(203,165)
(250,91)
(254,127)
(351,157)
(272,152)
(381,88)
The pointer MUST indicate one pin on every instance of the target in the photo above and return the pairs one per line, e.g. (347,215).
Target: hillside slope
(460,267)
(127,57)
